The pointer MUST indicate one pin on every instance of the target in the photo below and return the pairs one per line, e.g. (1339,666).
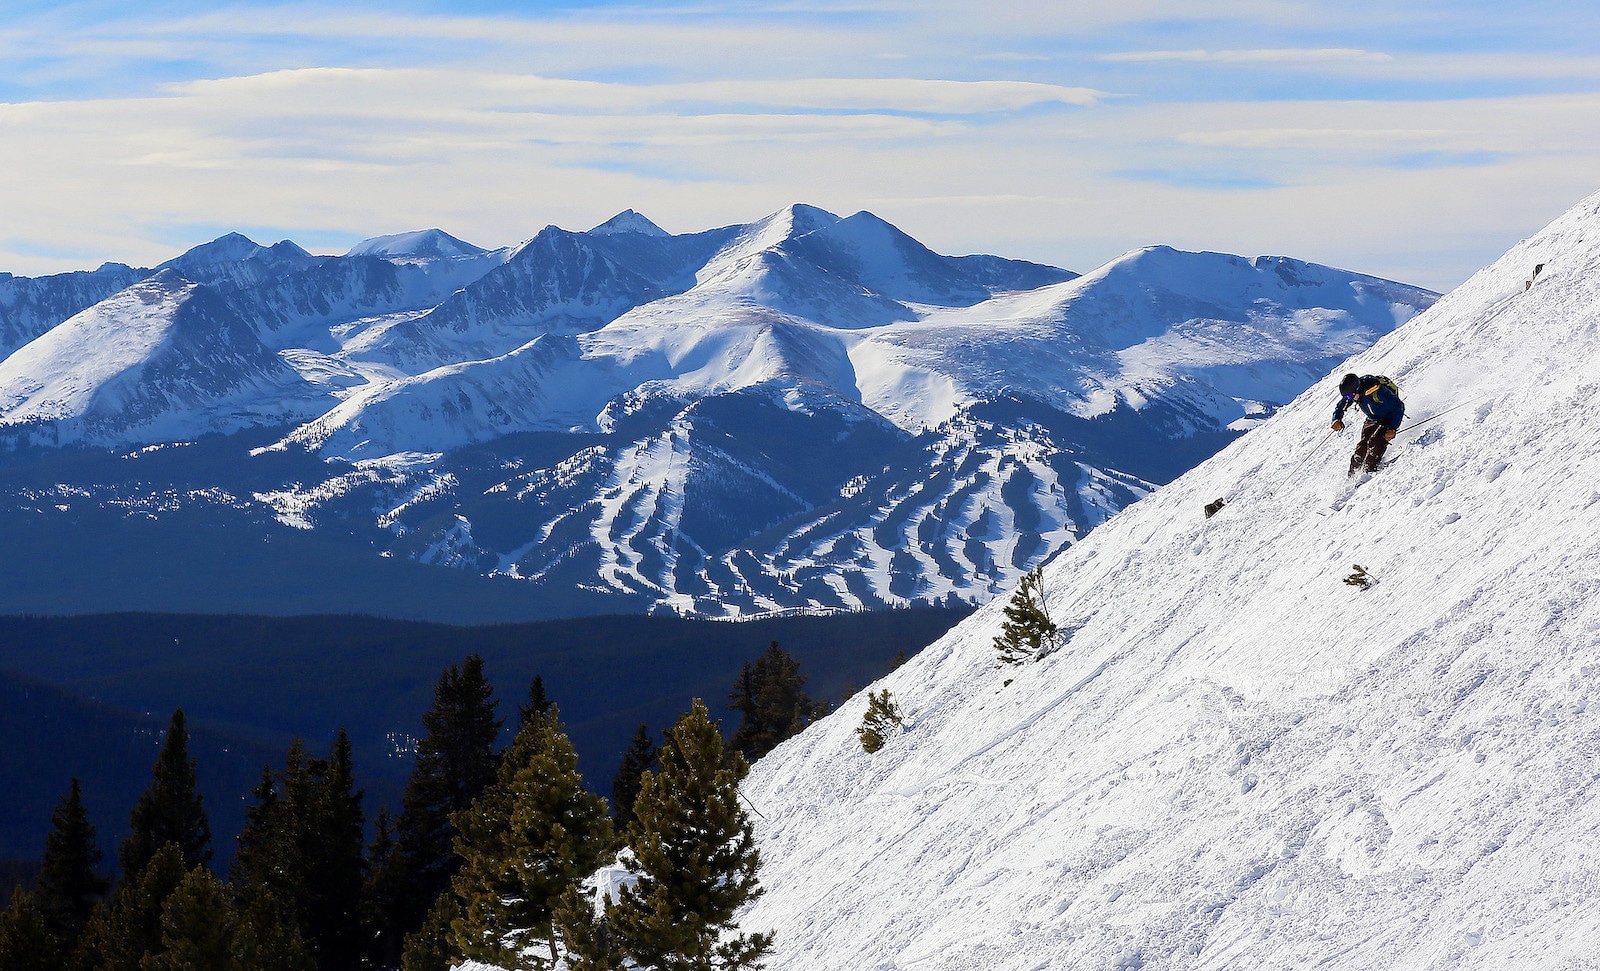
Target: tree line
(492,856)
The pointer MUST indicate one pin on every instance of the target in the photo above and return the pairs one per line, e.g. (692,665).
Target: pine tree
(586,939)
(70,883)
(456,761)
(771,700)
(26,943)
(882,713)
(694,855)
(130,930)
(529,838)
(538,702)
(636,761)
(278,944)
(302,845)
(171,810)
(336,862)
(382,898)
(1027,631)
(429,948)
(265,860)
(202,929)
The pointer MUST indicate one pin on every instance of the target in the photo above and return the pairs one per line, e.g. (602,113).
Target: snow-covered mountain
(29,306)
(804,411)
(164,359)
(1237,757)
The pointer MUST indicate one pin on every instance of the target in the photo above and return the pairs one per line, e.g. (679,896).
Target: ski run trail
(1237,760)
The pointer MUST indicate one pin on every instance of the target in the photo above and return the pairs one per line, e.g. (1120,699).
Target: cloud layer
(1391,143)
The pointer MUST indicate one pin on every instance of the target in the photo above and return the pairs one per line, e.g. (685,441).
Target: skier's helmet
(1351,385)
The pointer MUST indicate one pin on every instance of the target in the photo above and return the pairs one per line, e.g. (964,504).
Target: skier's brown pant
(1371,447)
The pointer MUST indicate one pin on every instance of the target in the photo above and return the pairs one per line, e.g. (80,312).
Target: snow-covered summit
(424,244)
(1237,758)
(628,221)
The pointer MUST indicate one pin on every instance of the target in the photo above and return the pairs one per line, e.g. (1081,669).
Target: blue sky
(1414,141)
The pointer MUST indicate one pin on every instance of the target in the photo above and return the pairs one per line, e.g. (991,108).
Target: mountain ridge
(665,386)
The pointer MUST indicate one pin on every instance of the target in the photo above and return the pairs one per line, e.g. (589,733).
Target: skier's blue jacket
(1377,402)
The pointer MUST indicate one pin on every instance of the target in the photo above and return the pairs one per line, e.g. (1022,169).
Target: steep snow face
(165,357)
(538,386)
(557,282)
(1236,759)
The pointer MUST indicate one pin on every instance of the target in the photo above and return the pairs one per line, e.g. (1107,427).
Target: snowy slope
(164,359)
(1237,760)
(423,244)
(29,306)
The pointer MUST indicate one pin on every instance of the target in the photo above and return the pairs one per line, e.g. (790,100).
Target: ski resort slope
(1237,760)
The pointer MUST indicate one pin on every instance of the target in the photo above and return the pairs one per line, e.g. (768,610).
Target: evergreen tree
(585,937)
(694,855)
(456,761)
(279,946)
(302,846)
(203,930)
(882,713)
(26,943)
(336,859)
(171,810)
(538,702)
(530,837)
(1027,631)
(70,883)
(262,862)
(429,948)
(772,704)
(130,930)
(636,761)
(382,898)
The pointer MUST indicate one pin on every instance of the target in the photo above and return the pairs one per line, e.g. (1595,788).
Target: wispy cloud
(1060,130)
(1279,56)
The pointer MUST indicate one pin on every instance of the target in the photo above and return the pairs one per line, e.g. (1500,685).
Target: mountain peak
(420,244)
(226,248)
(804,219)
(628,221)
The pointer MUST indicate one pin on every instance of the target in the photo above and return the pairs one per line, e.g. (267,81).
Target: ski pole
(1441,414)
(1212,508)
(1302,461)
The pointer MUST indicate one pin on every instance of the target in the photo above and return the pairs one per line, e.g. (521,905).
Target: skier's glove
(1388,436)
(1338,426)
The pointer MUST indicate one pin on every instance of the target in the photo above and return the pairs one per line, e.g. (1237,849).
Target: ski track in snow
(1239,761)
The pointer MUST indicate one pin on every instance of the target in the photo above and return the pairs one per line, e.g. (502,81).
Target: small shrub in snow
(1360,578)
(1028,631)
(875,725)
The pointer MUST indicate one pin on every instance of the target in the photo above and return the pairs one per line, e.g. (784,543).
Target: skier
(1379,400)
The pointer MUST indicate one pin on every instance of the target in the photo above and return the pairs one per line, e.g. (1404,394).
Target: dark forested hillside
(48,736)
(250,684)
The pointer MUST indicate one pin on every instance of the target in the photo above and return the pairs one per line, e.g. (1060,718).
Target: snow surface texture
(1237,760)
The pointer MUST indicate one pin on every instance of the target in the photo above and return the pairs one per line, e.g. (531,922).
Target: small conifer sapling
(881,720)
(1027,632)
